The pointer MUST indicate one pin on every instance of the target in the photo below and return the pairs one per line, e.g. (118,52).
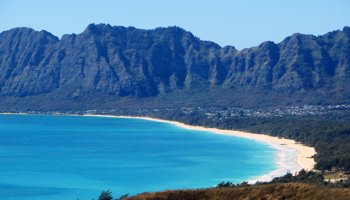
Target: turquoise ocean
(76,157)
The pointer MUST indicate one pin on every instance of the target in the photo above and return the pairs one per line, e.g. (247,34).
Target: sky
(242,24)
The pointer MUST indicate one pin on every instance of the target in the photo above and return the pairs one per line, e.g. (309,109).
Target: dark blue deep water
(75,157)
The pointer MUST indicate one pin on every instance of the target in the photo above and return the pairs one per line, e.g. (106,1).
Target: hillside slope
(291,191)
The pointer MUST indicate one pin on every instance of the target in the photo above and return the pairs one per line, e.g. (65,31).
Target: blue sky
(243,24)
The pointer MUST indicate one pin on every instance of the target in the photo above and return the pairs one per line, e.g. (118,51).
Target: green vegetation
(105,195)
(311,177)
(307,177)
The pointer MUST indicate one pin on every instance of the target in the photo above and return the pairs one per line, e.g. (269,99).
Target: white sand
(291,156)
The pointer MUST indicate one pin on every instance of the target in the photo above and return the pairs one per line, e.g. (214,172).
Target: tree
(106,195)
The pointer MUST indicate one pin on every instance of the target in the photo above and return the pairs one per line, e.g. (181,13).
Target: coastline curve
(291,155)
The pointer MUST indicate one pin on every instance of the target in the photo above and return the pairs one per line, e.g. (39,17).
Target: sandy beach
(291,156)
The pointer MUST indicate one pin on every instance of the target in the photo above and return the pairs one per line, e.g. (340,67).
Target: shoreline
(290,157)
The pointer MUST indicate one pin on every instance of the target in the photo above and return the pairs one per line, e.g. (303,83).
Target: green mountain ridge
(108,66)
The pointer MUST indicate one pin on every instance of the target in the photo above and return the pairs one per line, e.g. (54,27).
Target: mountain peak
(29,34)
(97,28)
(346,29)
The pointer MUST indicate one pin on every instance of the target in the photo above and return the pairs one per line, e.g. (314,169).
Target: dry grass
(294,191)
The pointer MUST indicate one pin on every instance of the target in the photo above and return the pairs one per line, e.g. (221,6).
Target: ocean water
(75,157)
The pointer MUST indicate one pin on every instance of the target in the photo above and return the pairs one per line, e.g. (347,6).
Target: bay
(76,157)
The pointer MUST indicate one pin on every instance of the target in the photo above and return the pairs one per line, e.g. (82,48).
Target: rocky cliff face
(118,62)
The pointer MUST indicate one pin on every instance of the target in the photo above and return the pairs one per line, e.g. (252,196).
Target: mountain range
(124,67)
